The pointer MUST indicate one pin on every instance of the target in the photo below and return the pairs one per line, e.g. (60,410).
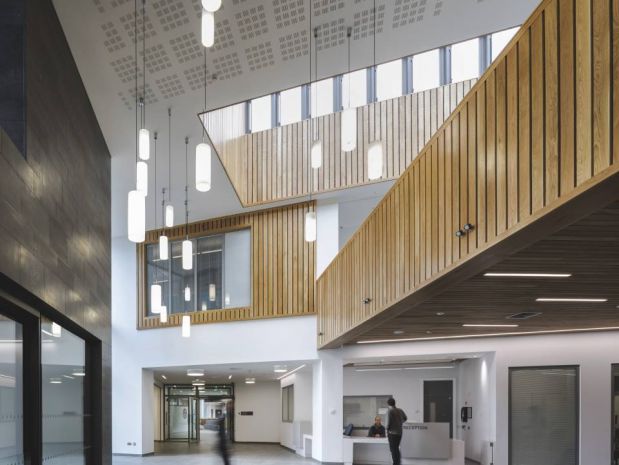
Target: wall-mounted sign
(249,413)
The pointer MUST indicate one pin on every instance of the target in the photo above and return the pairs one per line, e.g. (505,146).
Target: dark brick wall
(55,201)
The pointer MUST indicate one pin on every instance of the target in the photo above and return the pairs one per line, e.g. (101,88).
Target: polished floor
(205,453)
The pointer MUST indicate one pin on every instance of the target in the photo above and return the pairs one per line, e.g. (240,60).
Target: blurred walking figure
(223,442)
(396,419)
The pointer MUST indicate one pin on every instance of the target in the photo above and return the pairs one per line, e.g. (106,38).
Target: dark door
(438,402)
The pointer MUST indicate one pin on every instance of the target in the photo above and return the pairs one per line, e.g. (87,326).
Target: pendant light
(375,149)
(203,153)
(163,314)
(155,288)
(136,199)
(155,298)
(169,209)
(186,326)
(187,246)
(208,28)
(187,294)
(316,150)
(143,133)
(310,216)
(348,123)
(163,239)
(212,292)
(211,5)
(136,216)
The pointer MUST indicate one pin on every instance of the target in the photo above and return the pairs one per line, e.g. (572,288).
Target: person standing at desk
(377,430)
(395,420)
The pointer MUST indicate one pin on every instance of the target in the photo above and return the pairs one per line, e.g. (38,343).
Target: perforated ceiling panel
(250,36)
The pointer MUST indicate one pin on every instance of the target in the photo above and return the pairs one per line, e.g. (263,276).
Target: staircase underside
(561,242)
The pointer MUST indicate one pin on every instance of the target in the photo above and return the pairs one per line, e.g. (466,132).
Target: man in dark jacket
(223,442)
(377,430)
(395,420)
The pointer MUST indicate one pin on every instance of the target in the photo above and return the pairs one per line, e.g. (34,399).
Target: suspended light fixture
(186,326)
(143,133)
(155,288)
(227,299)
(211,5)
(348,123)
(316,150)
(208,28)
(163,247)
(203,167)
(141,183)
(212,292)
(136,199)
(155,298)
(310,226)
(169,209)
(375,160)
(310,216)
(187,294)
(163,314)
(203,153)
(144,141)
(187,246)
(136,216)
(375,149)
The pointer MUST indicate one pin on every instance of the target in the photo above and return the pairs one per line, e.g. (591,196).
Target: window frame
(287,398)
(144,297)
(578,406)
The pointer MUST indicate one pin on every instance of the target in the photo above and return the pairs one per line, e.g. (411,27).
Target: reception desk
(422,444)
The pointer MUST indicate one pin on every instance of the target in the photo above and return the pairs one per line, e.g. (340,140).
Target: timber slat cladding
(282,265)
(540,127)
(273,165)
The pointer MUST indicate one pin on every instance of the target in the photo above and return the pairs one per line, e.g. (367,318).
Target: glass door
(11,392)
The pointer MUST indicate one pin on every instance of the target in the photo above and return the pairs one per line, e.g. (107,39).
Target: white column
(148,430)
(327,423)
(327,237)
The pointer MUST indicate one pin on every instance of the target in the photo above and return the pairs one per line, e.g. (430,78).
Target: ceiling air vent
(523,315)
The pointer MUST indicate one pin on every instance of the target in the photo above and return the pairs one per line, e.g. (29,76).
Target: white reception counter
(422,444)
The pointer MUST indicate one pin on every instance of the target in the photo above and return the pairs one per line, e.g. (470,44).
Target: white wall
(303,406)
(406,387)
(263,398)
(274,340)
(476,385)
(593,352)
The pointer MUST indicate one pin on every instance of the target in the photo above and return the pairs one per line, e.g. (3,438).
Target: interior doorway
(438,402)
(194,412)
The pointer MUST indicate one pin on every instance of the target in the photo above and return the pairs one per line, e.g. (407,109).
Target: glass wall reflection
(11,388)
(63,371)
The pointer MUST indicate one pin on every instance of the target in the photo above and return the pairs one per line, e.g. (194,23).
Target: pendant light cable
(375,73)
(135,62)
(204,108)
(170,155)
(186,190)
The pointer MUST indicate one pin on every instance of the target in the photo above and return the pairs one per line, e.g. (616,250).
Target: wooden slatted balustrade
(273,165)
(539,130)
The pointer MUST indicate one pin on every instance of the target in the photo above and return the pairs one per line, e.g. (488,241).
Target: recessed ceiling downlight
(198,382)
(195,372)
(250,380)
(528,275)
(570,299)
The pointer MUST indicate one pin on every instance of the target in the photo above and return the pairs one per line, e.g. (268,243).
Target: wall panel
(272,165)
(283,265)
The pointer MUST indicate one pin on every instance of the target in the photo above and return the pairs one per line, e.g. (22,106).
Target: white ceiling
(220,373)
(260,47)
